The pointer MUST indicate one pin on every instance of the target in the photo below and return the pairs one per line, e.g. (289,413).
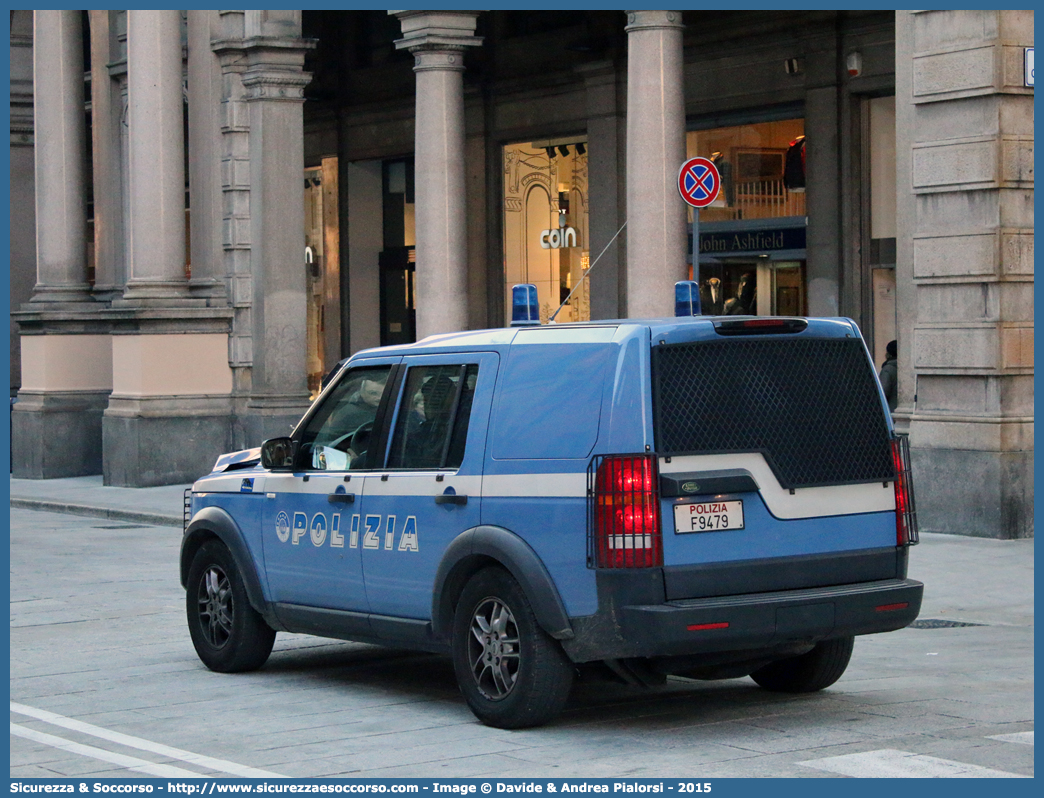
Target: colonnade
(190,334)
(181,344)
(189,337)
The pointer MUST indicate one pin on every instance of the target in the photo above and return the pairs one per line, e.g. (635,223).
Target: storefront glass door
(757,287)
(545,225)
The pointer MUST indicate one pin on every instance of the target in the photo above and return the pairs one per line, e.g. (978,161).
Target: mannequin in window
(711,297)
(745,303)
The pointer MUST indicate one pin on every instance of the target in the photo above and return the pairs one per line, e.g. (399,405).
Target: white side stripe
(889,763)
(220,765)
(535,486)
(130,762)
(1025,738)
(867,497)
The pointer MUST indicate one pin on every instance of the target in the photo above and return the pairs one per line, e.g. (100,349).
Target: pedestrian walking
(889,375)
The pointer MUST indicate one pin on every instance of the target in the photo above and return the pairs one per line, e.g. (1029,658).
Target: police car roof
(668,329)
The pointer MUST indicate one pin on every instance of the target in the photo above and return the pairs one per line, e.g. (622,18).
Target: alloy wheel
(494,649)
(215,606)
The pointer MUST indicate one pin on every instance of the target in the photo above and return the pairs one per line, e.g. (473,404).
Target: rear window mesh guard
(812,407)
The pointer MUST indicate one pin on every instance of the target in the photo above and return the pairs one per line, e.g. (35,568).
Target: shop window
(546,225)
(321,263)
(398,259)
(314,282)
(752,160)
(758,287)
(752,237)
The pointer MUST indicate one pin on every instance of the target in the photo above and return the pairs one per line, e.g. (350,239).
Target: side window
(337,437)
(432,427)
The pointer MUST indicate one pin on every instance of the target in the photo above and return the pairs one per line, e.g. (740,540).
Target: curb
(152,519)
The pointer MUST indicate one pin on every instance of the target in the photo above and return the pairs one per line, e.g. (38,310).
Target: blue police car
(710,497)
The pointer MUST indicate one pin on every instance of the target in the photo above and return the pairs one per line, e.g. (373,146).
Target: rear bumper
(744,622)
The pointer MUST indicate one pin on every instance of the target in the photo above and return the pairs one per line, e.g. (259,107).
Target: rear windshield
(811,406)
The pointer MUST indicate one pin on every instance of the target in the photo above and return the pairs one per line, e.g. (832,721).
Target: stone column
(273,82)
(226,43)
(61,220)
(65,351)
(156,234)
(437,40)
(110,266)
(169,413)
(822,195)
(204,132)
(964,141)
(656,218)
(22,197)
(117,69)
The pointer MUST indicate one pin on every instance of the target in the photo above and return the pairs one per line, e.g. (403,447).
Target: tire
(229,635)
(819,668)
(512,673)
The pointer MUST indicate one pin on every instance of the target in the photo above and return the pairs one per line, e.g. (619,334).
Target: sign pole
(696,245)
(698,183)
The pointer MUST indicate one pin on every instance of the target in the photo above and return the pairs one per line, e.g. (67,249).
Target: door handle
(344,498)
(451,498)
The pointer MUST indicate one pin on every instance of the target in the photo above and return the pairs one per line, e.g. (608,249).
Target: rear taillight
(905,510)
(624,519)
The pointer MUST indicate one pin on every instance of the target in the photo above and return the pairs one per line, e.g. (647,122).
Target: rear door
(431,486)
(775,462)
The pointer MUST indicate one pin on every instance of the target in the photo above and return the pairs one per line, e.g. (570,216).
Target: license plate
(708,516)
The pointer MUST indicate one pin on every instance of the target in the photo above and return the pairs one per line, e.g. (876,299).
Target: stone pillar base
(163,441)
(57,434)
(979,494)
(269,417)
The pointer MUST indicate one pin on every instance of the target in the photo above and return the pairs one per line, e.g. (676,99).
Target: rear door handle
(451,498)
(345,498)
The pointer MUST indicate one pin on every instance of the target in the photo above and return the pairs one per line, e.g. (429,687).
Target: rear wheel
(512,674)
(229,635)
(819,668)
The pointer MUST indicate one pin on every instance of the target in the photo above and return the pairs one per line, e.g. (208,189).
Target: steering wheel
(361,439)
(347,442)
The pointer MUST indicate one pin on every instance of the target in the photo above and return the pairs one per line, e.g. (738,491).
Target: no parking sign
(699,182)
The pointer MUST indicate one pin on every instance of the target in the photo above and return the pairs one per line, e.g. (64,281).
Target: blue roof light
(686,298)
(525,307)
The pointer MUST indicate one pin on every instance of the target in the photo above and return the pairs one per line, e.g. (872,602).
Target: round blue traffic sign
(699,182)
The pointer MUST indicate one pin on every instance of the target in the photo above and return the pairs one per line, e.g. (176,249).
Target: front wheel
(812,671)
(512,674)
(229,635)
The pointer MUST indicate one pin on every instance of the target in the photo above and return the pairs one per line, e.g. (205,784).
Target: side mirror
(277,454)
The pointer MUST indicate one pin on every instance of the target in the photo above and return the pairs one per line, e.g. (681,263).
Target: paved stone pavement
(88,496)
(98,637)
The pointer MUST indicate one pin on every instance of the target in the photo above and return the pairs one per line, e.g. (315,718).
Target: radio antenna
(590,268)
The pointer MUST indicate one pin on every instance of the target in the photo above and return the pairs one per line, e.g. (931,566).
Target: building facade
(253,195)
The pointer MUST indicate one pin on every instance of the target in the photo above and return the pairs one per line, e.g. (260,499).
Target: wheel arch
(483,546)
(214,523)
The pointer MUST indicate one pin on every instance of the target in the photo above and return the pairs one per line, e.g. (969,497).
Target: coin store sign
(558,238)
